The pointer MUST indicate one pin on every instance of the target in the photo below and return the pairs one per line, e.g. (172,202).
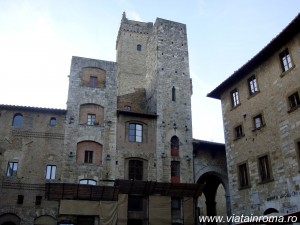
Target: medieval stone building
(260,105)
(122,151)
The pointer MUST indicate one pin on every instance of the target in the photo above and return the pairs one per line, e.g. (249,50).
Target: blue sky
(38,39)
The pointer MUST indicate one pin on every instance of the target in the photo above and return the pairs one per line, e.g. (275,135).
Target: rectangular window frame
(285,60)
(12,168)
(243,175)
(51,172)
(264,168)
(88,156)
(297,147)
(238,132)
(93,82)
(252,85)
(258,122)
(293,101)
(235,100)
(135,169)
(135,132)
(91,119)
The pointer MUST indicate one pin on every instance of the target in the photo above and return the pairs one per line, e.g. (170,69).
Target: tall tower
(132,53)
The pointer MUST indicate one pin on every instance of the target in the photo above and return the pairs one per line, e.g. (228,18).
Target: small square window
(286,61)
(294,100)
(235,98)
(252,84)
(238,132)
(258,121)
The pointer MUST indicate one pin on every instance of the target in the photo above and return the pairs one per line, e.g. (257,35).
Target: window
(17,120)
(285,59)
(264,168)
(135,171)
(243,175)
(52,121)
(38,200)
(174,146)
(294,100)
(135,132)
(88,157)
(235,98)
(298,149)
(127,108)
(20,199)
(139,47)
(50,172)
(176,210)
(93,81)
(12,168)
(88,181)
(252,84)
(238,132)
(135,203)
(173,94)
(175,172)
(258,121)
(91,119)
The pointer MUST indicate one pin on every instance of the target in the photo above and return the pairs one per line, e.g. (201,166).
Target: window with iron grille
(285,59)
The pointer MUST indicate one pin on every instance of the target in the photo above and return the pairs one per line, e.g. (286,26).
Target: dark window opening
(38,200)
(175,172)
(243,175)
(139,47)
(88,157)
(238,132)
(135,203)
(294,100)
(174,146)
(20,199)
(264,168)
(135,170)
(173,94)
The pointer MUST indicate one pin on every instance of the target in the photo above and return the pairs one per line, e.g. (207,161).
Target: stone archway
(9,219)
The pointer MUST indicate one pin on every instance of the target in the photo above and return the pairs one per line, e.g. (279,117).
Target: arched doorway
(9,219)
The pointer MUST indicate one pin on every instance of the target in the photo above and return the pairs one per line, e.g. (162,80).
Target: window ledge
(266,181)
(287,71)
(244,187)
(293,109)
(259,128)
(234,107)
(254,94)
(238,138)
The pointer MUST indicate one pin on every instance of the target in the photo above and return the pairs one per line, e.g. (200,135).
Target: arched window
(17,120)
(88,181)
(174,146)
(139,47)
(173,94)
